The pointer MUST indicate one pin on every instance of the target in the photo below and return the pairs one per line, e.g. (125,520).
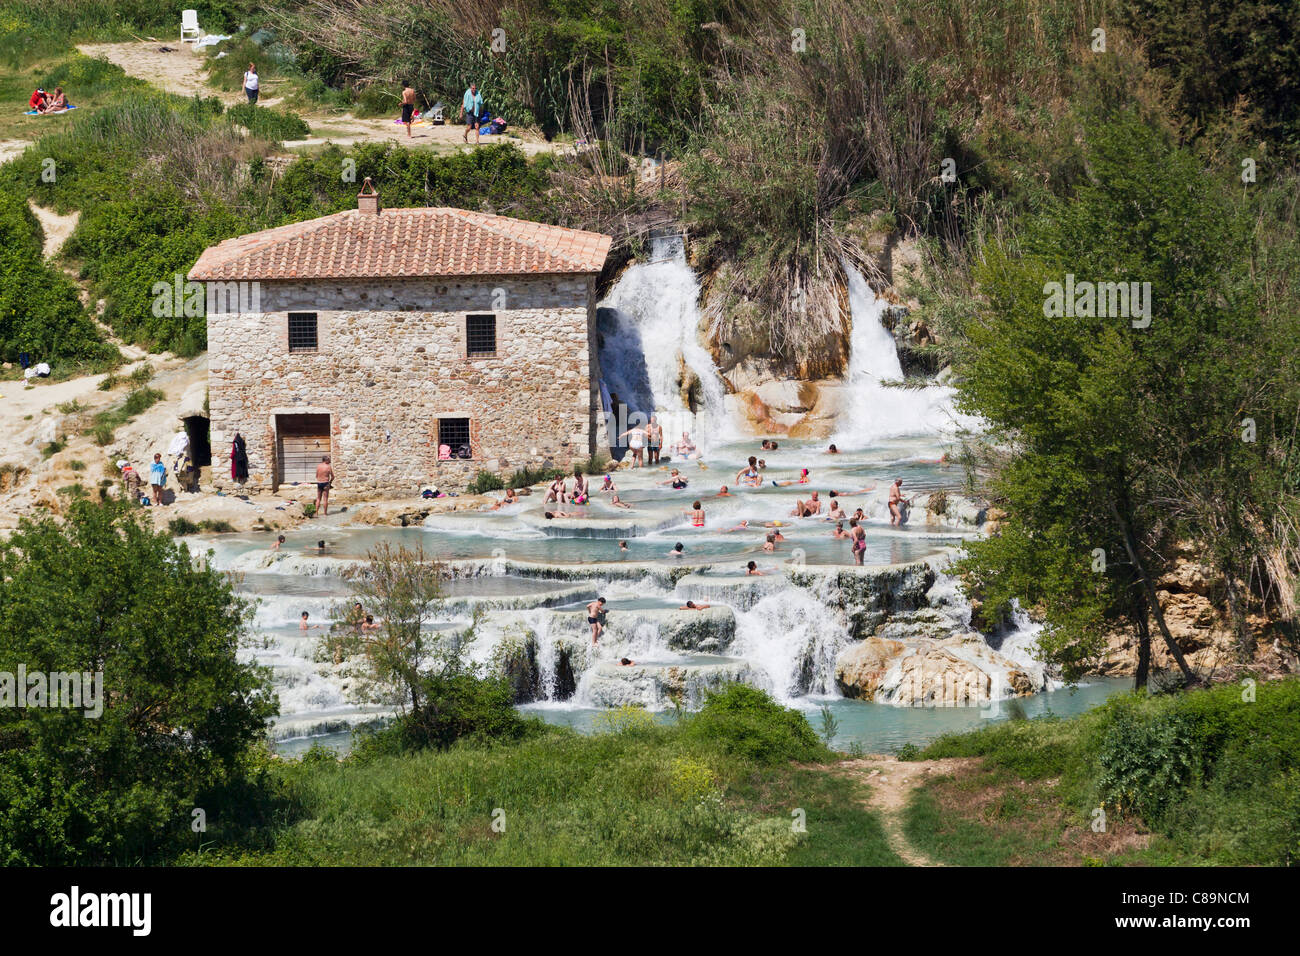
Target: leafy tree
(1115,430)
(102,592)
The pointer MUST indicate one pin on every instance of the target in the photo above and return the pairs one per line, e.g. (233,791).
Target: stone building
(413,346)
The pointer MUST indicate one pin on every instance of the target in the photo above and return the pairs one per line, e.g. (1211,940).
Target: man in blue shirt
(471,106)
(157,478)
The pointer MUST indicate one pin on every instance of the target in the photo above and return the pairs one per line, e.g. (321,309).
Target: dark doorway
(196,427)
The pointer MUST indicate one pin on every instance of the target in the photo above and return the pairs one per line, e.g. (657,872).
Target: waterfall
(874,410)
(793,637)
(648,325)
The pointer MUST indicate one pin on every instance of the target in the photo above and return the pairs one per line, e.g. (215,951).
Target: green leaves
(102,592)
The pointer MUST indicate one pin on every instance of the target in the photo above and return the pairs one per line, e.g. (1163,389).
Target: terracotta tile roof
(401,243)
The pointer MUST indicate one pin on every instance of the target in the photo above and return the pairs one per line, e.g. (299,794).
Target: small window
(481,336)
(453,438)
(302,331)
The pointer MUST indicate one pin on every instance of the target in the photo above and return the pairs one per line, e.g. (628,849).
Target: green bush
(747,722)
(40,312)
(457,707)
(528,476)
(484,482)
(181,713)
(179,527)
(268,124)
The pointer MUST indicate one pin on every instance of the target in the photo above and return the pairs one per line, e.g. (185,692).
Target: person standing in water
(896,502)
(635,442)
(858,540)
(697,515)
(654,436)
(594,610)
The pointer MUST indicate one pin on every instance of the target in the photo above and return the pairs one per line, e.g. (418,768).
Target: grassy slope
(1235,800)
(642,795)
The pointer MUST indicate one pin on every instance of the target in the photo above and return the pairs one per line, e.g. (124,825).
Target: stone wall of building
(391,360)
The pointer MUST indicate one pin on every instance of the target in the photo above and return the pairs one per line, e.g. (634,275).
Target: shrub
(484,482)
(309,509)
(528,475)
(745,721)
(178,527)
(461,706)
(215,526)
(140,400)
(273,125)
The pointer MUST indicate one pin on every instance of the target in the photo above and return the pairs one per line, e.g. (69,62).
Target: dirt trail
(891,782)
(181,71)
(12,149)
(56,228)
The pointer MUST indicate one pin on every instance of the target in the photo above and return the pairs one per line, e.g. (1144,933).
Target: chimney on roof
(368,199)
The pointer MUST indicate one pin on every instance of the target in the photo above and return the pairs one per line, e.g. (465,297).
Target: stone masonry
(391,360)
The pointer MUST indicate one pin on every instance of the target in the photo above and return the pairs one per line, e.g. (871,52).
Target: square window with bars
(302,332)
(454,433)
(481,336)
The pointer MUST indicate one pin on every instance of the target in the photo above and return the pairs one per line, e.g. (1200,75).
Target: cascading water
(648,326)
(793,637)
(874,409)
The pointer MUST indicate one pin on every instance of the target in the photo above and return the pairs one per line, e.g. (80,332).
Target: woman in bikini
(697,515)
(859,538)
(618,502)
(770,543)
(749,474)
(559,491)
(801,480)
(511,498)
(675,480)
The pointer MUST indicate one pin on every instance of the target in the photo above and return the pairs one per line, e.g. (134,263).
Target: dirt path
(56,228)
(12,148)
(891,782)
(181,71)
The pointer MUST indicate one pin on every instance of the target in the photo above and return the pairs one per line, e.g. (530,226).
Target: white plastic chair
(190,25)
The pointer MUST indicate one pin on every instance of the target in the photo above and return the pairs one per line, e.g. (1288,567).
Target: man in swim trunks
(408,106)
(806,509)
(594,610)
(858,537)
(896,502)
(654,436)
(324,478)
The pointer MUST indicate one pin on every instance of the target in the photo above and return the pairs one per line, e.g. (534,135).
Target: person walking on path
(324,478)
(471,107)
(408,106)
(251,83)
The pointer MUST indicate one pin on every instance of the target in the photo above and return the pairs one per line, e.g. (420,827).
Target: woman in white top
(251,83)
